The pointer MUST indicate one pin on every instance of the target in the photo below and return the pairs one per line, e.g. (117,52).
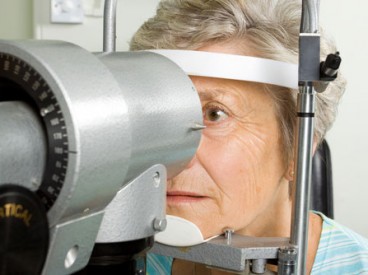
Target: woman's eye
(214,114)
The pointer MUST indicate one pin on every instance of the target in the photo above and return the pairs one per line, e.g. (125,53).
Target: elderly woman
(242,174)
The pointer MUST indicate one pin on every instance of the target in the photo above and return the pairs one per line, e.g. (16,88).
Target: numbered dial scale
(19,81)
(84,118)
(103,125)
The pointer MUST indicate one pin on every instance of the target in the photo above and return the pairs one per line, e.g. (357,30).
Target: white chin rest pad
(180,232)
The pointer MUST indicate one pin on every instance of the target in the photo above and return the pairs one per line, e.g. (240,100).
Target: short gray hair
(270,27)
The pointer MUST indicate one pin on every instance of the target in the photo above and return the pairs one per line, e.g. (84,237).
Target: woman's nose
(192,161)
(195,157)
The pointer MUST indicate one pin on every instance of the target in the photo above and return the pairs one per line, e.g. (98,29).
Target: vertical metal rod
(303,168)
(309,51)
(310,16)
(109,26)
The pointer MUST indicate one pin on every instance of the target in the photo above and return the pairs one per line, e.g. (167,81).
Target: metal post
(299,233)
(309,61)
(109,26)
(259,266)
(310,16)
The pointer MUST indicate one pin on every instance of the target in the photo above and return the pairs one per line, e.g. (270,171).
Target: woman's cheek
(227,158)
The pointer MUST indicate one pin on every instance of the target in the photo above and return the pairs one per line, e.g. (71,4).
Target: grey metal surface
(303,167)
(163,106)
(137,113)
(71,244)
(309,59)
(218,253)
(136,208)
(287,260)
(109,26)
(22,145)
(310,16)
(96,119)
(259,266)
(308,72)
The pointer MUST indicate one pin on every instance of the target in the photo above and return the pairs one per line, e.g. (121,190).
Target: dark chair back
(321,189)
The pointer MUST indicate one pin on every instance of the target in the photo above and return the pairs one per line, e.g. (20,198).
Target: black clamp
(329,68)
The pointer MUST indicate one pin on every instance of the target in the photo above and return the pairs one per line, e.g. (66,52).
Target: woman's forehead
(216,87)
(231,92)
(218,94)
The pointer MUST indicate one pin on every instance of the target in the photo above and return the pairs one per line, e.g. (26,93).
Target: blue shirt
(340,251)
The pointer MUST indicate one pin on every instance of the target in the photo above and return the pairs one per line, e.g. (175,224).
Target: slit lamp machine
(87,141)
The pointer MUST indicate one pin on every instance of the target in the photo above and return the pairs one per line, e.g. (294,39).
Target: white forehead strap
(237,67)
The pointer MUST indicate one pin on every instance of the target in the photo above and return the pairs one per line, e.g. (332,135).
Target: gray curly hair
(270,27)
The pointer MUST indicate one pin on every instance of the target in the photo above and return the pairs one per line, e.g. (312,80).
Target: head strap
(237,67)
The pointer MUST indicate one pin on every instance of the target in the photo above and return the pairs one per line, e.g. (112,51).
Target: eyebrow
(208,94)
(233,100)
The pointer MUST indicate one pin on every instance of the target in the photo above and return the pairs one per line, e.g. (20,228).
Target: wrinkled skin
(237,178)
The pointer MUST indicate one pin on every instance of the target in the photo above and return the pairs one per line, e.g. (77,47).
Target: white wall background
(130,15)
(16,19)
(345,20)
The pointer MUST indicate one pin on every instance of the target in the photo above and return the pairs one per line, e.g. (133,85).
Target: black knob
(330,67)
(24,231)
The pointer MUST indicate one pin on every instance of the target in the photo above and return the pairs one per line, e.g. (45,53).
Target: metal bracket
(71,244)
(138,209)
(232,256)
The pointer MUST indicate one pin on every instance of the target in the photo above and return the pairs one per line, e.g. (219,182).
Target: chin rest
(321,189)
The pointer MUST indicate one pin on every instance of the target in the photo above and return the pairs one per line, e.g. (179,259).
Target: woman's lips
(179,197)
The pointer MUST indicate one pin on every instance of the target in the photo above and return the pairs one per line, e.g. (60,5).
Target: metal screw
(228,234)
(156,179)
(159,224)
(198,126)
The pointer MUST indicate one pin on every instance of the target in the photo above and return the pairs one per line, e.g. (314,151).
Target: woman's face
(235,178)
